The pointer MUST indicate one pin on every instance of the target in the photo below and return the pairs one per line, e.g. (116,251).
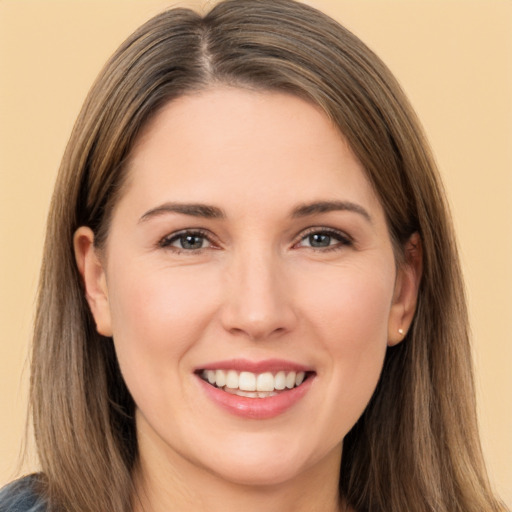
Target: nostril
(258,332)
(259,308)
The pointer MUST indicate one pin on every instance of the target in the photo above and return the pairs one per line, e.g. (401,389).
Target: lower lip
(257,408)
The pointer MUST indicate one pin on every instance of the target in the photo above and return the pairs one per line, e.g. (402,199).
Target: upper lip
(266,365)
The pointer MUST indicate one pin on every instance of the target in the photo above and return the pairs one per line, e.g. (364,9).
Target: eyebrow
(330,206)
(213,212)
(194,210)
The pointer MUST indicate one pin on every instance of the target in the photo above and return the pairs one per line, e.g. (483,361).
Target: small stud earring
(401,332)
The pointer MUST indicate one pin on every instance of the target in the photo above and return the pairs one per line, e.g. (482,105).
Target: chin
(270,462)
(258,473)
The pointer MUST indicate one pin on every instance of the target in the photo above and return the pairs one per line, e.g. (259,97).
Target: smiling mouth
(254,385)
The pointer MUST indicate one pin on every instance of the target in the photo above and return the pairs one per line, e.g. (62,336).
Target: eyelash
(167,241)
(343,240)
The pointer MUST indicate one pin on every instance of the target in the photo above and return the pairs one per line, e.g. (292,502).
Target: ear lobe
(93,275)
(406,291)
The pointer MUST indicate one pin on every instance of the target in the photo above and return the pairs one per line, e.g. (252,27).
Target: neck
(173,483)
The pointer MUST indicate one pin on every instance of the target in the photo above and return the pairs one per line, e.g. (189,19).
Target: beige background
(454,58)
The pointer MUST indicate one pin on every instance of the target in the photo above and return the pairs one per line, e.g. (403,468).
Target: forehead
(244,147)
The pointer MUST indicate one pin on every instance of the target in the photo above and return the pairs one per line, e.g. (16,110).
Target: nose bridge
(258,303)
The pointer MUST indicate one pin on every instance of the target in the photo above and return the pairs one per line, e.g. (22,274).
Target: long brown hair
(416,447)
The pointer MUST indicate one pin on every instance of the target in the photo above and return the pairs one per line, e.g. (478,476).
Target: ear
(406,291)
(91,269)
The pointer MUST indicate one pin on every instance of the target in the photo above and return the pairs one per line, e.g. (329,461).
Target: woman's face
(248,248)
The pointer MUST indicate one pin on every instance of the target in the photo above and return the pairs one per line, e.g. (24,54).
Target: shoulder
(21,496)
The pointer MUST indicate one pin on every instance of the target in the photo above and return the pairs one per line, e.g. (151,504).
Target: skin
(256,289)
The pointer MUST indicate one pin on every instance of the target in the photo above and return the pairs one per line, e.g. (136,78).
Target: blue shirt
(20,496)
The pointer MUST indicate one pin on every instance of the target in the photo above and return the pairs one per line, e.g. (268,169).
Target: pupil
(191,242)
(319,240)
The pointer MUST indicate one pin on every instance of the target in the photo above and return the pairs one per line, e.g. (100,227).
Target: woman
(263,305)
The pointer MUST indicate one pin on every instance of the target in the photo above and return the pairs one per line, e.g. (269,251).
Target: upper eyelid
(323,229)
(208,235)
(167,239)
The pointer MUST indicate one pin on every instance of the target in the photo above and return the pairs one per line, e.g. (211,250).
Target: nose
(258,302)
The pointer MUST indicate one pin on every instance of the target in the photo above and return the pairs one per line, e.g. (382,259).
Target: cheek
(159,304)
(157,316)
(351,319)
(351,307)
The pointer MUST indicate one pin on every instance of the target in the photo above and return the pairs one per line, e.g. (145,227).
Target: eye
(188,241)
(324,239)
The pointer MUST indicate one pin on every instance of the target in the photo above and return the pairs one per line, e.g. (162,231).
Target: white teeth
(265,382)
(220,378)
(290,380)
(247,381)
(251,384)
(250,394)
(280,380)
(232,379)
(210,375)
(241,392)
(263,394)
